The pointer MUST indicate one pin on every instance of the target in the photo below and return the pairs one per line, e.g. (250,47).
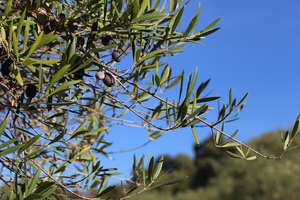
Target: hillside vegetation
(214,175)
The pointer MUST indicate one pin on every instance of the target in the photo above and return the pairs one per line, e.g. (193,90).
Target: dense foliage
(71,71)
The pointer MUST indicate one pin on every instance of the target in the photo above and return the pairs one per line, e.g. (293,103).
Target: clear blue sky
(256,51)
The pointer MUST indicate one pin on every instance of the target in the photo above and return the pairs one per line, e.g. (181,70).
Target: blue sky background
(256,51)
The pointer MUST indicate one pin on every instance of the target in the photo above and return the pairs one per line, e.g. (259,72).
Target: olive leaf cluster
(72,70)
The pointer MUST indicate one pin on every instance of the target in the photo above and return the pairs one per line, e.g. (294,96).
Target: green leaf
(201,109)
(233,155)
(64,86)
(169,182)
(83,65)
(135,8)
(26,35)
(231,144)
(191,26)
(151,54)
(165,74)
(29,143)
(207,99)
(143,171)
(251,158)
(174,83)
(5,144)
(41,78)
(34,196)
(158,168)
(110,188)
(201,88)
(248,150)
(3,126)
(15,45)
(183,108)
(65,165)
(33,181)
(92,34)
(175,19)
(11,149)
(20,23)
(142,7)
(101,49)
(11,29)
(218,137)
(151,169)
(41,41)
(18,76)
(296,127)
(150,17)
(45,188)
(198,14)
(35,45)
(212,24)
(79,129)
(232,136)
(57,76)
(286,140)
(33,154)
(46,62)
(71,51)
(7,9)
(240,150)
(196,136)
(241,101)
(230,97)
(173,5)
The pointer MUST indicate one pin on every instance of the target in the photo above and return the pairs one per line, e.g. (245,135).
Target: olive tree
(62,90)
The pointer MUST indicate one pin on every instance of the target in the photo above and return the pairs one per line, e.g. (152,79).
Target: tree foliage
(71,70)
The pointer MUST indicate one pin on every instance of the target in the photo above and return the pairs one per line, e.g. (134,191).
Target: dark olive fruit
(77,59)
(80,41)
(116,56)
(72,26)
(108,80)
(31,91)
(100,75)
(59,22)
(8,65)
(3,71)
(61,18)
(49,26)
(107,40)
(79,74)
(3,51)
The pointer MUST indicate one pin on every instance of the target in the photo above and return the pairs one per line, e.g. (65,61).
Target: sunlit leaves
(3,126)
